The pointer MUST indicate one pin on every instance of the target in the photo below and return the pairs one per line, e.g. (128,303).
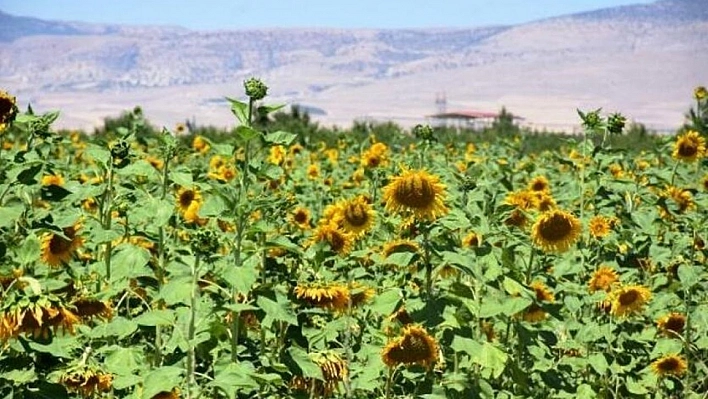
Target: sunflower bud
(120,152)
(255,89)
(615,123)
(424,133)
(700,93)
(204,242)
(592,120)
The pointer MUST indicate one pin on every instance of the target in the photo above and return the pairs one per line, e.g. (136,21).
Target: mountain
(642,60)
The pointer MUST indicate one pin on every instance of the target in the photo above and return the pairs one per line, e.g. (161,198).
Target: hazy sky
(233,14)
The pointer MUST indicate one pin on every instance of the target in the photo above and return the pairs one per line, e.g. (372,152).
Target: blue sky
(234,14)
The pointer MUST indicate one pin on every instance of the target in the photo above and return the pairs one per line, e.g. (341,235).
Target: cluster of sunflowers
(261,263)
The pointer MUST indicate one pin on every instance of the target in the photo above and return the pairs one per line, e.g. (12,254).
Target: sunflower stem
(529,268)
(160,271)
(673,172)
(107,209)
(191,355)
(428,264)
(389,382)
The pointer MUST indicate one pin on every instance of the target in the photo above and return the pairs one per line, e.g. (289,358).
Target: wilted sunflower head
(628,300)
(87,308)
(689,146)
(555,231)
(669,365)
(417,192)
(602,279)
(58,249)
(328,296)
(8,109)
(672,324)
(414,346)
(682,198)
(87,381)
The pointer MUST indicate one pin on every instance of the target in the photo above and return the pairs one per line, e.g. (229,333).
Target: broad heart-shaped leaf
(123,360)
(177,290)
(182,177)
(129,261)
(666,347)
(689,275)
(9,214)
(385,303)
(465,345)
(585,391)
(492,359)
(157,317)
(235,377)
(62,346)
(99,154)
(213,206)
(280,138)
(245,133)
(243,277)
(118,327)
(276,311)
(20,377)
(307,367)
(268,109)
(598,363)
(401,259)
(163,379)
(28,252)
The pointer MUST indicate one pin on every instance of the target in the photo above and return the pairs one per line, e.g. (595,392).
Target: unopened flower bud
(255,89)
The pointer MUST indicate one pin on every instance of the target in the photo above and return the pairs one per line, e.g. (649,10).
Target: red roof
(466,115)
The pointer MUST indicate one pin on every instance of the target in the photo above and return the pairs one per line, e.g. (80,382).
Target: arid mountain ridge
(643,60)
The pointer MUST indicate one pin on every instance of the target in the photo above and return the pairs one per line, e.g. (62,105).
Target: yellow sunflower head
(331,296)
(338,241)
(555,231)
(682,198)
(200,144)
(524,199)
(700,93)
(313,171)
(689,146)
(416,192)
(539,183)
(173,394)
(277,155)
(301,218)
(397,246)
(472,240)
(674,365)
(602,279)
(543,293)
(187,196)
(357,216)
(534,314)
(672,324)
(360,294)
(57,249)
(86,381)
(52,180)
(600,226)
(628,300)
(414,346)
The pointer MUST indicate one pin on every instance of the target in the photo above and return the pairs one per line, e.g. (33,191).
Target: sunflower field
(264,265)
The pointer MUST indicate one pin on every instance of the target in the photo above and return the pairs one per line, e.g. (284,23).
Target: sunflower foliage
(276,265)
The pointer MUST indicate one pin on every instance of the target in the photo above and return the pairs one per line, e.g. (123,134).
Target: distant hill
(643,60)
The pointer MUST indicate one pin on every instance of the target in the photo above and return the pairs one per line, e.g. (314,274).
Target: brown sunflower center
(556,228)
(416,348)
(300,217)
(628,298)
(186,198)
(688,149)
(675,323)
(6,106)
(668,365)
(356,215)
(59,245)
(415,192)
(538,186)
(336,241)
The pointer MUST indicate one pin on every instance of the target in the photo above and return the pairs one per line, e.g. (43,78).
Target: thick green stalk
(160,272)
(107,209)
(191,354)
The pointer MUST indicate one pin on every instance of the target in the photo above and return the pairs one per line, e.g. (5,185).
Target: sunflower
(669,365)
(375,156)
(173,394)
(534,314)
(8,109)
(58,249)
(543,293)
(555,231)
(682,198)
(277,155)
(524,199)
(672,324)
(616,170)
(545,201)
(338,241)
(301,218)
(313,171)
(689,147)
(472,240)
(539,183)
(200,144)
(88,308)
(600,226)
(155,162)
(415,346)
(52,180)
(627,300)
(357,216)
(191,215)
(418,192)
(333,296)
(603,279)
(360,294)
(397,246)
(185,198)
(86,381)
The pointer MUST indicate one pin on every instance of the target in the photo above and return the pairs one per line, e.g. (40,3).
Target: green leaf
(465,345)
(689,275)
(598,363)
(213,206)
(585,391)
(98,154)
(27,176)
(157,317)
(245,133)
(9,215)
(268,109)
(129,261)
(29,251)
(61,346)
(280,138)
(182,179)
(308,368)
(20,377)
(666,347)
(401,259)
(118,327)
(235,377)
(277,311)
(239,109)
(177,290)
(163,379)
(385,303)
(242,278)
(636,387)
(124,360)
(492,359)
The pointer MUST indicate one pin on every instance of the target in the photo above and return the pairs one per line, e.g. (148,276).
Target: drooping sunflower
(628,300)
(338,241)
(672,324)
(417,192)
(88,308)
(397,246)
(600,226)
(87,381)
(472,240)
(602,279)
(58,249)
(689,146)
(173,394)
(682,198)
(357,216)
(414,346)
(543,293)
(674,365)
(360,294)
(52,180)
(555,231)
(535,312)
(8,109)
(301,218)
(330,296)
